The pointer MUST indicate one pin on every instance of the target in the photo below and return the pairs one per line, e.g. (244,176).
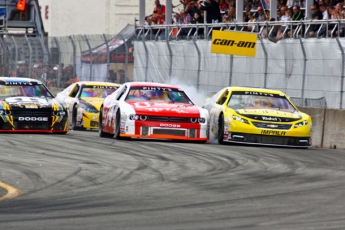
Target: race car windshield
(24,91)
(260,101)
(158,95)
(97,91)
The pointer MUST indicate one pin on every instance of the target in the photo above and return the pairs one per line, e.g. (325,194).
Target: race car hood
(271,115)
(93,102)
(15,103)
(165,109)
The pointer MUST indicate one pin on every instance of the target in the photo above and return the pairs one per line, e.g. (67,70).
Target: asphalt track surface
(81,181)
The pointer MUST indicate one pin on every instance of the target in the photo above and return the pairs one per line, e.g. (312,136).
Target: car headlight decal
(300,124)
(193,120)
(59,113)
(143,118)
(133,117)
(240,119)
(91,110)
(202,120)
(5,112)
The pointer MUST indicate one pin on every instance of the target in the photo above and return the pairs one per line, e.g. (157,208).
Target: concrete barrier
(334,129)
(328,127)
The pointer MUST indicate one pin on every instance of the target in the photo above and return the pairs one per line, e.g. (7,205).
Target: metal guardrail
(301,28)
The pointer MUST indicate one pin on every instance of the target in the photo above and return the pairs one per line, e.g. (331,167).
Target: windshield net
(97,91)
(254,100)
(24,90)
(158,95)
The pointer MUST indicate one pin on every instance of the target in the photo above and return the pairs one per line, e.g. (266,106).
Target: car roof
(263,90)
(98,83)
(152,84)
(19,79)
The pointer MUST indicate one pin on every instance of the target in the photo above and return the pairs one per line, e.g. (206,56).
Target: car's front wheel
(100,127)
(221,130)
(74,119)
(117,125)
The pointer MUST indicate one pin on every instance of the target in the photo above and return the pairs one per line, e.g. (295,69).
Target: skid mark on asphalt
(11,192)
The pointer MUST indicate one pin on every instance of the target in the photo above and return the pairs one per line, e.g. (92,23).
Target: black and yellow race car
(257,116)
(26,105)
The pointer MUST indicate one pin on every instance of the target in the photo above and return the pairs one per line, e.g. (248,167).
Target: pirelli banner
(235,43)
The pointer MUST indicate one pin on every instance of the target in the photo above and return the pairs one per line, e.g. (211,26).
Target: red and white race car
(152,110)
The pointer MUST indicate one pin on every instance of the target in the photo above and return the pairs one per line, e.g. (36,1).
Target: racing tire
(221,130)
(63,133)
(117,125)
(100,127)
(201,142)
(74,119)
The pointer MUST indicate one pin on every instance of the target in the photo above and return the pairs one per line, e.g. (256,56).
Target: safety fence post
(199,63)
(14,67)
(90,54)
(74,57)
(266,61)
(170,58)
(108,55)
(304,69)
(59,61)
(30,56)
(342,72)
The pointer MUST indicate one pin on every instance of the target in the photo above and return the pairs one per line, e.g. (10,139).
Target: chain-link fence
(309,69)
(58,61)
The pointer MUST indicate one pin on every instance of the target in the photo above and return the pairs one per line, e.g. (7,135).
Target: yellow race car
(257,116)
(83,100)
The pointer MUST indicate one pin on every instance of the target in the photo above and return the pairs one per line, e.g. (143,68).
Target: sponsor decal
(273,132)
(32,118)
(234,43)
(272,126)
(259,94)
(31,106)
(156,88)
(18,83)
(225,42)
(170,125)
(271,119)
(104,87)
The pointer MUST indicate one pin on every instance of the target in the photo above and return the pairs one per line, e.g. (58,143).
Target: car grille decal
(271,118)
(169,119)
(272,125)
(174,132)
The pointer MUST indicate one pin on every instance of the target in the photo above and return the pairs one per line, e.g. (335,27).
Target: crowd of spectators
(224,11)
(48,74)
